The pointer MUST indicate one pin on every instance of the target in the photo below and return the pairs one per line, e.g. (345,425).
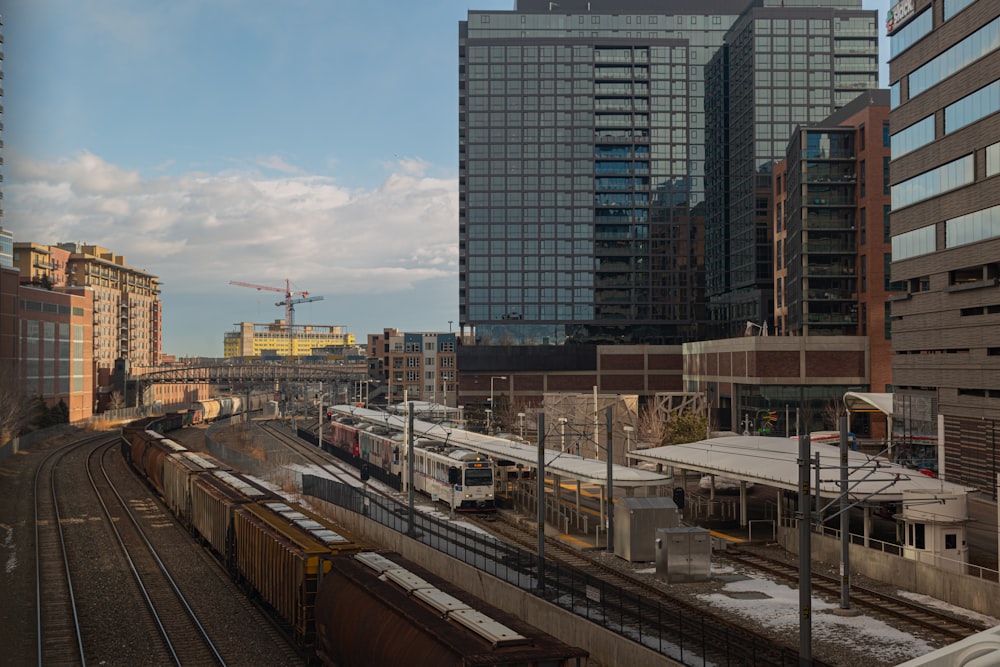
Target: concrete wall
(961,590)
(605,647)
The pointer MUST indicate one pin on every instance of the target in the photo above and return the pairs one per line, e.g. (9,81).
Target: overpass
(252,372)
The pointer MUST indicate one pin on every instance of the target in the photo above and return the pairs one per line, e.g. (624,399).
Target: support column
(743,504)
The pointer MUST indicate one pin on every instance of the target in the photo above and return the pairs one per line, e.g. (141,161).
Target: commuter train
(332,594)
(460,478)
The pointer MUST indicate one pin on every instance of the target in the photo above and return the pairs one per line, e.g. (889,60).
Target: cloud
(199,230)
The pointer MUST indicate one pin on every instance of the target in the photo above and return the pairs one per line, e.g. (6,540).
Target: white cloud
(199,230)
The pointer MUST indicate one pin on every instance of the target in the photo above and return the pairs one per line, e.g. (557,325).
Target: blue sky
(209,141)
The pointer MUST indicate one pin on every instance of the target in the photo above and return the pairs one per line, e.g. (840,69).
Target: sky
(313,141)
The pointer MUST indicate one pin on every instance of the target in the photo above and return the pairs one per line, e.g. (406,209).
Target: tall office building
(581,169)
(784,63)
(945,225)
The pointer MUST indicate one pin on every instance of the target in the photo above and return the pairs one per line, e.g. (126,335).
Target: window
(886,188)
(863,178)
(864,273)
(886,138)
(864,226)
(890,286)
(886,232)
(950,541)
(950,176)
(980,43)
(913,243)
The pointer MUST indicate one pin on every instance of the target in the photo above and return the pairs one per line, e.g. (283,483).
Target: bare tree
(16,407)
(507,419)
(651,428)
(833,410)
(116,400)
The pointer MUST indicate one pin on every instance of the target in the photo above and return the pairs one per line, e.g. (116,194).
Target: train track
(632,600)
(638,604)
(57,622)
(184,638)
(938,625)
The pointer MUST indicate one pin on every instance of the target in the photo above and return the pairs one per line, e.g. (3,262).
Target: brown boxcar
(179,472)
(380,609)
(214,497)
(282,551)
(149,449)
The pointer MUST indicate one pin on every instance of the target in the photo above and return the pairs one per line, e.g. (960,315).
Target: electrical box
(636,521)
(683,555)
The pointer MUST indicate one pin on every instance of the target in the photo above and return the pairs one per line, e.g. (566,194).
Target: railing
(670,631)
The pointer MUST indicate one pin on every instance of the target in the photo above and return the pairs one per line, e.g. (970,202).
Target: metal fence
(676,632)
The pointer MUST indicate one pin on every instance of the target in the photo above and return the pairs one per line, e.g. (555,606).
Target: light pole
(492,378)
(520,418)
(489,422)
(562,433)
(628,441)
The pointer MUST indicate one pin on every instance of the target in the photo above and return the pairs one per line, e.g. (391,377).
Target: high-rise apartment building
(418,365)
(784,63)
(944,72)
(831,231)
(127,313)
(581,169)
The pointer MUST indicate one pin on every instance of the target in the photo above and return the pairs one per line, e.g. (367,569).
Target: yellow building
(255,340)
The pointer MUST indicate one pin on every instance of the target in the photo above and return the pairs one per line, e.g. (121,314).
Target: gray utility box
(636,521)
(683,555)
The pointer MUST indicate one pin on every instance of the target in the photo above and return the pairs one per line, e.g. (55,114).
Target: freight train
(331,592)
(460,478)
(209,410)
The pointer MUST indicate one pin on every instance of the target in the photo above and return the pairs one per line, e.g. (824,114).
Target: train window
(950,541)
(479,477)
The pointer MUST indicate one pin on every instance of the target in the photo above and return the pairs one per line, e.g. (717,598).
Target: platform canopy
(857,401)
(774,462)
(587,471)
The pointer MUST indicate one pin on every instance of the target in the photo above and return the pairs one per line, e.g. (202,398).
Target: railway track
(624,604)
(639,605)
(942,627)
(59,638)
(184,638)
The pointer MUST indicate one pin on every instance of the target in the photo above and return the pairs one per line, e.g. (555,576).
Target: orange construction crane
(289,300)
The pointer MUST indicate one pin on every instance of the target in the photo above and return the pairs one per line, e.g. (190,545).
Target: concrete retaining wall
(960,590)
(605,647)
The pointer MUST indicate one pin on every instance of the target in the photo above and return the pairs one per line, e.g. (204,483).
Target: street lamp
(562,433)
(489,421)
(520,418)
(492,378)
(628,440)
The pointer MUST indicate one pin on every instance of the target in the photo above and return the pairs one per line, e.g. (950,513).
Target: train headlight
(489,495)
(468,495)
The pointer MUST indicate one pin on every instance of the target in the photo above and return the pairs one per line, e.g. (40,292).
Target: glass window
(972,48)
(913,243)
(952,7)
(971,108)
(993,159)
(910,34)
(931,183)
(919,134)
(972,227)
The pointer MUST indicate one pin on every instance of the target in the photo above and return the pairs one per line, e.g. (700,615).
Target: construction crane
(289,300)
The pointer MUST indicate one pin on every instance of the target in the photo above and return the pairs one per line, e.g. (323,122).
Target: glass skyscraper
(582,163)
(784,64)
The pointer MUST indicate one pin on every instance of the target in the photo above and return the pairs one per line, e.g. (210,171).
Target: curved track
(184,638)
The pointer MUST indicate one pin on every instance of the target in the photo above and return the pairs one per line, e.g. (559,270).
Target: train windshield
(478,477)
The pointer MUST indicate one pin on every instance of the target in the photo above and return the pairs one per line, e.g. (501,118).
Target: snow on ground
(776,606)
(928,601)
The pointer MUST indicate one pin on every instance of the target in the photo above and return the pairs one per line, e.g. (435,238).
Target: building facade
(783,64)
(417,366)
(831,231)
(127,312)
(945,226)
(280,340)
(581,169)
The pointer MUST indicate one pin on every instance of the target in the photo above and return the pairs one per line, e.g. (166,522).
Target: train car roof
(572,466)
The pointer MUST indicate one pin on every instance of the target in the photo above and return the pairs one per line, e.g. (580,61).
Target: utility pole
(845,522)
(804,516)
(541,501)
(609,417)
(409,460)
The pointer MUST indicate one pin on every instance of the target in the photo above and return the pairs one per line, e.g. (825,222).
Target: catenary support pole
(541,501)
(845,522)
(409,459)
(609,418)
(805,556)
